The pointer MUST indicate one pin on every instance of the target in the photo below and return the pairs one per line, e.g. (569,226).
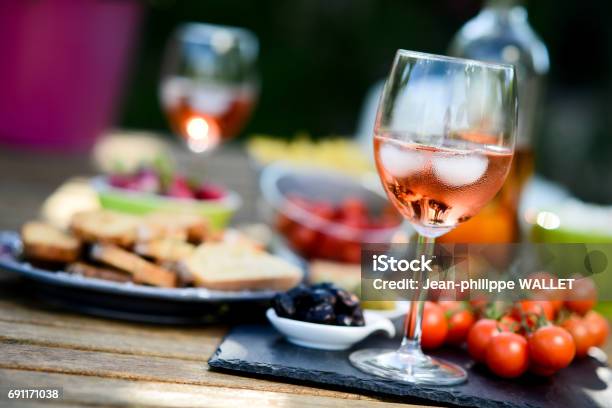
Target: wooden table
(110,363)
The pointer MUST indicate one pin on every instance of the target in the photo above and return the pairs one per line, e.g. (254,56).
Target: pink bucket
(62,64)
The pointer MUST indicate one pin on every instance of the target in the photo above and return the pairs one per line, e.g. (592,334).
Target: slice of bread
(235,237)
(223,266)
(183,277)
(176,225)
(165,250)
(142,271)
(105,226)
(98,272)
(44,242)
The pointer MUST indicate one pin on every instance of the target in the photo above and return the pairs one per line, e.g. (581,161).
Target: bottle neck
(503,4)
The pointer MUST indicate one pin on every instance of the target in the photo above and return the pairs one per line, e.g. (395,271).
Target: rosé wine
(206,115)
(438,187)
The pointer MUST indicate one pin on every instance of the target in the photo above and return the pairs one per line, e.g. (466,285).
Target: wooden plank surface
(100,362)
(194,348)
(82,390)
(103,353)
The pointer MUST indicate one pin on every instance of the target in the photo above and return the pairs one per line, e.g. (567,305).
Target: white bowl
(329,337)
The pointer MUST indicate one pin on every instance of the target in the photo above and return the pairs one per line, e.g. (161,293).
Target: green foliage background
(319,57)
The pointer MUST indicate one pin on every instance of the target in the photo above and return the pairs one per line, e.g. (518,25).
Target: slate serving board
(260,350)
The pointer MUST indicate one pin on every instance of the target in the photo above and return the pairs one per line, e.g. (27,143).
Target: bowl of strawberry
(322,214)
(150,189)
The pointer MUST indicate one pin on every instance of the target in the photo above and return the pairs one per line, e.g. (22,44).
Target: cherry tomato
(356,222)
(533,307)
(551,347)
(434,326)
(388,221)
(329,247)
(284,224)
(541,371)
(509,323)
(354,207)
(547,294)
(303,239)
(459,325)
(479,337)
(451,306)
(478,301)
(598,326)
(351,252)
(580,306)
(583,340)
(478,305)
(582,297)
(557,305)
(324,211)
(508,355)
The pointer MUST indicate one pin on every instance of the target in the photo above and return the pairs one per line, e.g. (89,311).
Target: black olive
(301,296)
(357,317)
(344,320)
(299,291)
(323,313)
(324,285)
(346,301)
(319,296)
(283,305)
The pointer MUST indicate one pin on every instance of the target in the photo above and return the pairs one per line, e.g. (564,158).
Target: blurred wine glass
(209,83)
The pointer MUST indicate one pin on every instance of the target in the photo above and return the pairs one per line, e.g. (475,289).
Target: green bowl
(568,236)
(218,212)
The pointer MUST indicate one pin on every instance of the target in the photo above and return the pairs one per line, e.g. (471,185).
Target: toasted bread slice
(165,250)
(235,237)
(44,242)
(93,271)
(183,277)
(142,271)
(176,225)
(105,226)
(148,231)
(224,266)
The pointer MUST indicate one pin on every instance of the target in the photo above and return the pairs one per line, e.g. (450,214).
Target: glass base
(431,231)
(413,367)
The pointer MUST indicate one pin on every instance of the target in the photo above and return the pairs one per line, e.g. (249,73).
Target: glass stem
(411,343)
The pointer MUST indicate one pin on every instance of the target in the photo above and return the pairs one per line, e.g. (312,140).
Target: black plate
(130,301)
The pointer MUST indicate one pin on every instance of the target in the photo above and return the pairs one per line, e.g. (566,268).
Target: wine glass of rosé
(443,145)
(209,83)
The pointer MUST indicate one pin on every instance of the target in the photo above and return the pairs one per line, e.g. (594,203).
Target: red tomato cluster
(445,322)
(539,336)
(320,229)
(588,331)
